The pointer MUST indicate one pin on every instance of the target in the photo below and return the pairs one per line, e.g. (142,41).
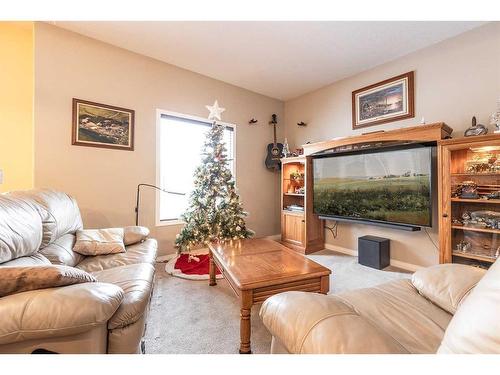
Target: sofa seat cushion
(400,311)
(61,251)
(311,323)
(136,281)
(57,312)
(36,259)
(144,252)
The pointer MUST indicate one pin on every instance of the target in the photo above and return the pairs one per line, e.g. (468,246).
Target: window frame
(159,114)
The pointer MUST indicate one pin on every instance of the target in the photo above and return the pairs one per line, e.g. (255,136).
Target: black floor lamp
(139,194)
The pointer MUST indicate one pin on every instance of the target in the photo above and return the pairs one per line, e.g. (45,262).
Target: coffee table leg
(211,269)
(325,284)
(245,323)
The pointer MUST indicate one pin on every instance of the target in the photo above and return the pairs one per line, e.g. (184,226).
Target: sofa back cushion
(475,327)
(61,251)
(20,228)
(37,259)
(60,213)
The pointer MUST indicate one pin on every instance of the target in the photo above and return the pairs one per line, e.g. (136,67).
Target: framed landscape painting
(101,125)
(386,101)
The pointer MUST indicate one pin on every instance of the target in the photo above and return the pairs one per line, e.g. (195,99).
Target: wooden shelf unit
(474,174)
(477,201)
(473,229)
(473,256)
(455,154)
(301,231)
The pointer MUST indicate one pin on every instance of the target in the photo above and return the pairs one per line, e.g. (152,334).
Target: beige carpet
(190,317)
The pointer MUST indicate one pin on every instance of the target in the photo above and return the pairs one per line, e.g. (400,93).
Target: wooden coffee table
(258,268)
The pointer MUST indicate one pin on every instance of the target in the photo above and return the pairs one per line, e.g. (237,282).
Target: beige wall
(454,80)
(68,65)
(16,105)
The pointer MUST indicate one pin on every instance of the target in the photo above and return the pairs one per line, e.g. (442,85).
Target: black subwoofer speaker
(374,252)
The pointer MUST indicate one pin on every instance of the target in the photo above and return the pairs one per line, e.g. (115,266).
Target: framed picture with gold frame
(102,125)
(386,101)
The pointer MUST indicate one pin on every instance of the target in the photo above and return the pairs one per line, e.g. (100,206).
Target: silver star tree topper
(215,111)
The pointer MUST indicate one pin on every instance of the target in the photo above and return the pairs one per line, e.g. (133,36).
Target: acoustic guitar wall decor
(274,150)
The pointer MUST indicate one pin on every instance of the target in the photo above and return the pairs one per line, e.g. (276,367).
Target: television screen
(379,186)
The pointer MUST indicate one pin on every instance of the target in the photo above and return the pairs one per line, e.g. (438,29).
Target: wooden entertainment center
(303,231)
(463,239)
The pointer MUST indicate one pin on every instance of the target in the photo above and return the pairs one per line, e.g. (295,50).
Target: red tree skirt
(195,270)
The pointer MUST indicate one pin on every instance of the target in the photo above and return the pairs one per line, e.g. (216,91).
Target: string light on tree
(215,212)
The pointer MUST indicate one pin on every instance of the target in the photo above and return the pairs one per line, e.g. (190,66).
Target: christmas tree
(215,212)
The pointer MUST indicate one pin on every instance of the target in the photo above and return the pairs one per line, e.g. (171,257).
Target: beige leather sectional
(108,316)
(448,308)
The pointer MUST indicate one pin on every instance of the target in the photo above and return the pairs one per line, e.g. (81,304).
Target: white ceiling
(279,59)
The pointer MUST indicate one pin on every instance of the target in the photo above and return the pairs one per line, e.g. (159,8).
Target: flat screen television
(390,186)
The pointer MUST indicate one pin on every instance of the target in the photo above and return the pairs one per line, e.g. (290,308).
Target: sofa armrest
(446,285)
(134,234)
(314,323)
(56,312)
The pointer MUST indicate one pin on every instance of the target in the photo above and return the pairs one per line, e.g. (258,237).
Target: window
(180,143)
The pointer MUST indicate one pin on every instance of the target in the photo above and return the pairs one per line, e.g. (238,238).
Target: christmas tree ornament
(215,111)
(214,212)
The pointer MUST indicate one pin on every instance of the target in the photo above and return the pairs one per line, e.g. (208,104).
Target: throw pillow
(21,279)
(134,234)
(99,241)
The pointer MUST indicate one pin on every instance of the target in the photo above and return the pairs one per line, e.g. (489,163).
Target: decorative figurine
(495,118)
(493,195)
(476,129)
(464,246)
(485,219)
(469,190)
(286,149)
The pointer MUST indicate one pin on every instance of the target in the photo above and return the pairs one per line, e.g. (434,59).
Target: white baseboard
(393,262)
(405,266)
(274,237)
(165,258)
(340,249)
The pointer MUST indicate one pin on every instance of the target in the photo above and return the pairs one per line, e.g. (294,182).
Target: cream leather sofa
(109,316)
(440,310)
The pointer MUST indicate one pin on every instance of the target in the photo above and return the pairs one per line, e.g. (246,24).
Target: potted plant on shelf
(297,176)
